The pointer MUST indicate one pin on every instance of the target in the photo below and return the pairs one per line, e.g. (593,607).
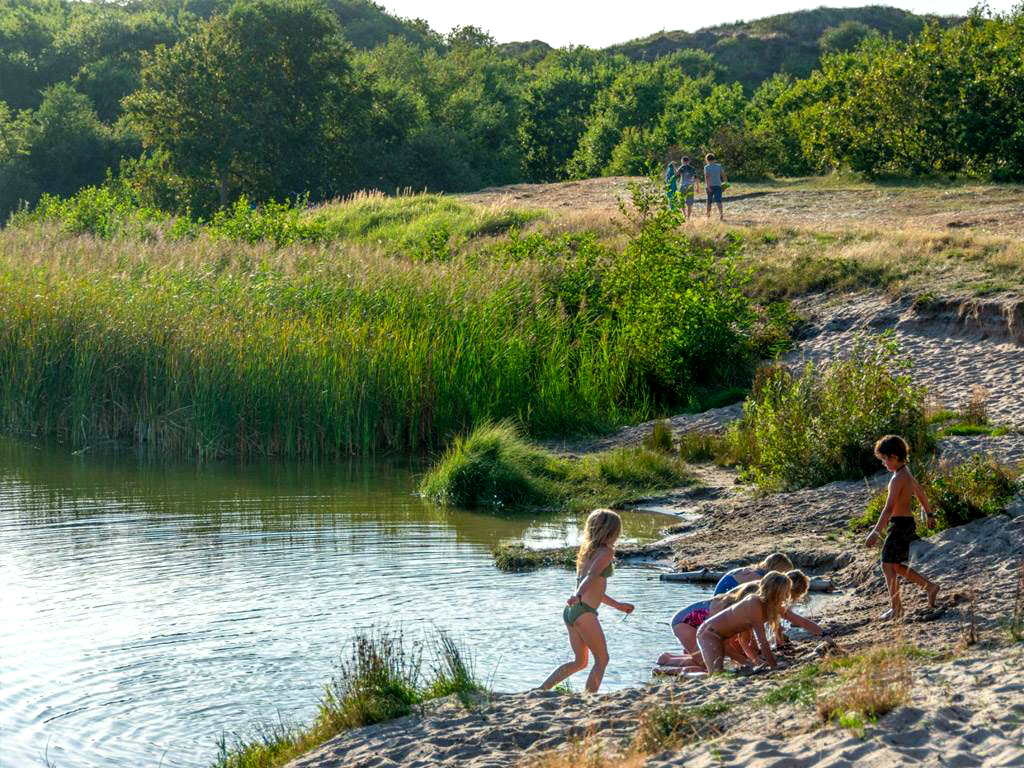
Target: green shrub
(278,223)
(681,309)
(807,428)
(495,467)
(977,488)
(660,438)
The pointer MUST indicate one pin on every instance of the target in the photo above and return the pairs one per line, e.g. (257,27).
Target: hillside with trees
(192,104)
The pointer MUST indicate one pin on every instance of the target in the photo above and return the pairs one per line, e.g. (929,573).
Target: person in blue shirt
(714,176)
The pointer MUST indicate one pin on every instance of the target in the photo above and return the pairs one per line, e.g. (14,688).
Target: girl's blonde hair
(602,526)
(801,584)
(775,562)
(736,594)
(774,589)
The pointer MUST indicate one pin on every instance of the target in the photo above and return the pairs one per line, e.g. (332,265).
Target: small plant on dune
(875,684)
(453,671)
(660,437)
(975,410)
(671,725)
(378,681)
(588,751)
(1016,624)
(807,428)
(977,488)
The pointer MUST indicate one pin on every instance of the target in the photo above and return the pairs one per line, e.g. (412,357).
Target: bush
(978,488)
(495,467)
(681,309)
(808,428)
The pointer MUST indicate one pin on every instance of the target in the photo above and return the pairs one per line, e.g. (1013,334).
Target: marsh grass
(495,466)
(380,679)
(215,346)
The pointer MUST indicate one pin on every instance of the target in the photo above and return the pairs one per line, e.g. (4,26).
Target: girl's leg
(892,581)
(687,637)
(579,650)
(914,577)
(590,630)
(711,650)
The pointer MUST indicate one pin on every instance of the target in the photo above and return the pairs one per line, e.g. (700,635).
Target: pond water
(145,610)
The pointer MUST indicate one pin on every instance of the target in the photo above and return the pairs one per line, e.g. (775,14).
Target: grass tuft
(380,679)
(876,683)
(672,725)
(660,438)
(494,466)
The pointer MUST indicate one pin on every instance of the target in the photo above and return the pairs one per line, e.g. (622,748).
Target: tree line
(194,103)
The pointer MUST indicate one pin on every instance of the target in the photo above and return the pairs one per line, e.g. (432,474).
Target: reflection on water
(147,609)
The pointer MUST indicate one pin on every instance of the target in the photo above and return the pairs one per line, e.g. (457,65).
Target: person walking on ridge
(714,177)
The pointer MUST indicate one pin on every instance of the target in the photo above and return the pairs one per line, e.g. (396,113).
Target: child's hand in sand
(627,608)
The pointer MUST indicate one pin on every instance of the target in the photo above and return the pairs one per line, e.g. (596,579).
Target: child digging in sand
(687,621)
(593,567)
(750,613)
(892,450)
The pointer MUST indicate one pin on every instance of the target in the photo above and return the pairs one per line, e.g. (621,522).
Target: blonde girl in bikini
(593,567)
(751,613)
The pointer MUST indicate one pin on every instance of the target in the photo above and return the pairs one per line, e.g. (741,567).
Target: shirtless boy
(892,450)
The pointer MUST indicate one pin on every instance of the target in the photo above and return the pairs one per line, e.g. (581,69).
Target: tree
(844,37)
(258,102)
(56,149)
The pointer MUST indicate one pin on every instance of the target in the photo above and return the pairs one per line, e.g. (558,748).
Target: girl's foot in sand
(933,592)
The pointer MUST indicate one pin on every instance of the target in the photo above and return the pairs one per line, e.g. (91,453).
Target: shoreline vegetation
(206,347)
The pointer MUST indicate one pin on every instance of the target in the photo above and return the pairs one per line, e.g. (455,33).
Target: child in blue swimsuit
(774,562)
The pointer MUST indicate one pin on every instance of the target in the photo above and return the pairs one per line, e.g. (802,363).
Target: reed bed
(293,354)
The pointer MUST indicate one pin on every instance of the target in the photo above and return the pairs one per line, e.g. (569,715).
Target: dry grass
(875,684)
(591,751)
(807,235)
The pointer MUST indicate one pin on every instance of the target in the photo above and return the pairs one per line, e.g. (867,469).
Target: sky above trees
(583,22)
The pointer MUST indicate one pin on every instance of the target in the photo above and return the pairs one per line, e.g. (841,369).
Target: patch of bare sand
(967,712)
(951,357)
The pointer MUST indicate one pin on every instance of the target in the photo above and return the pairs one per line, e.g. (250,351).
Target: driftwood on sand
(704,575)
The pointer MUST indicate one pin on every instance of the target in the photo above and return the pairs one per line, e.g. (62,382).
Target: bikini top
(608,571)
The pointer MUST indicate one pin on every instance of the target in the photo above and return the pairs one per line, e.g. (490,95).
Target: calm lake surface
(144,609)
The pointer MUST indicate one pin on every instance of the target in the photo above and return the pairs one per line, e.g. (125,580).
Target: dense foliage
(195,103)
